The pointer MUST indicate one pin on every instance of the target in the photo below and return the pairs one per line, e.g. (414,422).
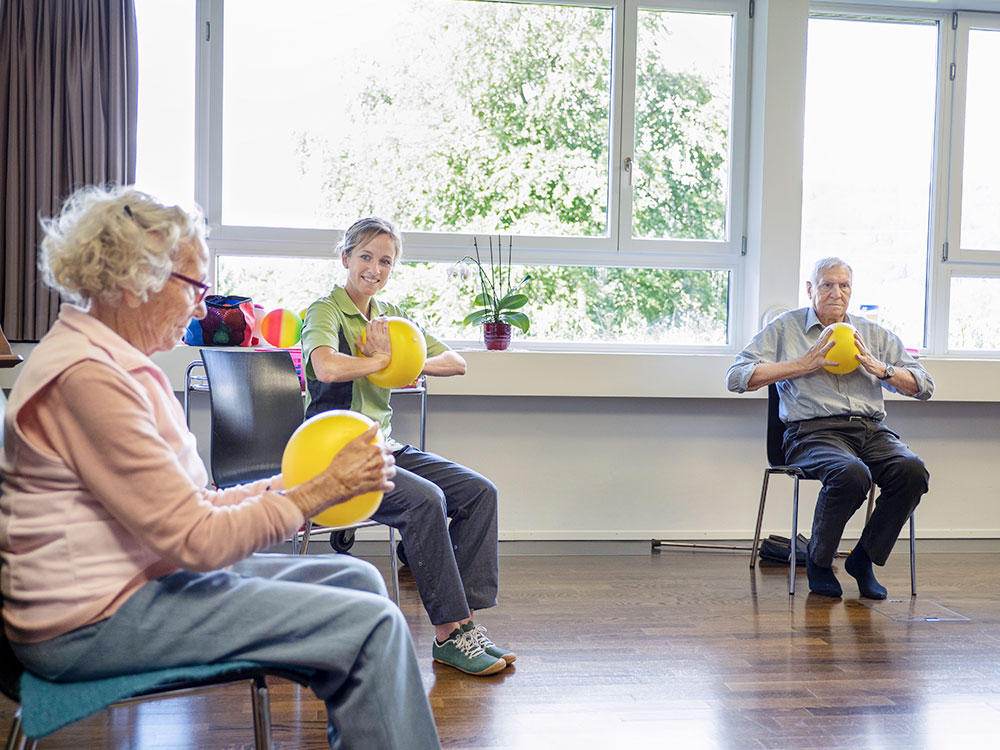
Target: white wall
(678,468)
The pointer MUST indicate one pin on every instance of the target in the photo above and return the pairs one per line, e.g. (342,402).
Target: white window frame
(616,249)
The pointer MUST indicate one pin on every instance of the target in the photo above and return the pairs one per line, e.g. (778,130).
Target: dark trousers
(847,456)
(454,564)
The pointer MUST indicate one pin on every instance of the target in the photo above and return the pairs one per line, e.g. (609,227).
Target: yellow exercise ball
(409,352)
(844,350)
(311,448)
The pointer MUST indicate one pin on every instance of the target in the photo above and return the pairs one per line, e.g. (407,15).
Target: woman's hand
(375,340)
(360,467)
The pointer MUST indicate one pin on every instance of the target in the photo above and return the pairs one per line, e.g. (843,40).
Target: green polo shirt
(335,321)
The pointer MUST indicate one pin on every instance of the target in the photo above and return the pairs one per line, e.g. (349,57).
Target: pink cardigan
(103,486)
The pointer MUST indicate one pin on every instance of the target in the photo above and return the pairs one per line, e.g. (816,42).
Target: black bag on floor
(776,549)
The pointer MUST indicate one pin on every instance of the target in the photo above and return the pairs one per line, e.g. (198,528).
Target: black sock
(859,565)
(822,581)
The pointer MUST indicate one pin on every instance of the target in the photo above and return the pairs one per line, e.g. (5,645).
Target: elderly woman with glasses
(116,556)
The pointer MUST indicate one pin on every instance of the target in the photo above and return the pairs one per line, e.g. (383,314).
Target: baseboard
(363,548)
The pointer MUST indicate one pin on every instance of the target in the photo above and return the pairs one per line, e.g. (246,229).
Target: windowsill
(605,375)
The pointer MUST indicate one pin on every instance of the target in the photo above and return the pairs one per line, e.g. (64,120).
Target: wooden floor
(681,649)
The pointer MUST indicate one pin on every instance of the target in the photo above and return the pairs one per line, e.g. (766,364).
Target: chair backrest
(256,404)
(10,667)
(775,429)
(7,359)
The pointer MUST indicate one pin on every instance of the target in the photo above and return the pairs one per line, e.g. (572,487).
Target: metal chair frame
(777,465)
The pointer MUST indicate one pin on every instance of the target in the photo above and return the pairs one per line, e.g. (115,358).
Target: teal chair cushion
(48,706)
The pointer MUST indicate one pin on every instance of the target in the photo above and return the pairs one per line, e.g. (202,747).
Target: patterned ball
(281,328)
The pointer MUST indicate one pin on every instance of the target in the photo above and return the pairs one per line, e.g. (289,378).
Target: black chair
(55,705)
(777,465)
(256,404)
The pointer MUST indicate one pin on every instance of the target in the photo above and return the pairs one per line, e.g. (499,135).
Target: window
(973,314)
(868,161)
(680,174)
(166,102)
(446,116)
(968,256)
(980,205)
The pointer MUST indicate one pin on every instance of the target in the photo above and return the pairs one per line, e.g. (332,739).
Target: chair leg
(16,740)
(913,558)
(871,503)
(793,554)
(306,531)
(760,519)
(394,565)
(261,713)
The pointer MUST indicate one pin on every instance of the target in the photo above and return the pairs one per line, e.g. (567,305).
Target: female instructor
(454,565)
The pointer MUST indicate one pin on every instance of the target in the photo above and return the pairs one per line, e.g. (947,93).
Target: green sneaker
(463,652)
(487,645)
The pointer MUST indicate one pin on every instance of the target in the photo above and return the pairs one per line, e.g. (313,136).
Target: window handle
(628,168)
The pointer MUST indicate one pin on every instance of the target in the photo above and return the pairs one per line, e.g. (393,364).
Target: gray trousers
(847,456)
(454,565)
(325,612)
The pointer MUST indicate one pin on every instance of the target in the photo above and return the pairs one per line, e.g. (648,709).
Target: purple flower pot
(496,335)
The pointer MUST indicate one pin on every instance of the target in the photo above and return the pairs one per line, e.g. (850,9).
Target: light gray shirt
(822,393)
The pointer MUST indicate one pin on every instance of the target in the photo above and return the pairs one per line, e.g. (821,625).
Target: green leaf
(485,299)
(516,319)
(476,317)
(513,301)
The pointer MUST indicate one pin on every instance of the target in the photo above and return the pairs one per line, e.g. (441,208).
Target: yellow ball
(844,350)
(311,448)
(409,352)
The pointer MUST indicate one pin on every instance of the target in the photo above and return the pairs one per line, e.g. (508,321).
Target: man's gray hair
(825,264)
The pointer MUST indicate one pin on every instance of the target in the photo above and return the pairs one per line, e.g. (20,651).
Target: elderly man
(834,423)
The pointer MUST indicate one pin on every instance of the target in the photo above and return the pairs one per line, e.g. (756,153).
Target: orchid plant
(499,300)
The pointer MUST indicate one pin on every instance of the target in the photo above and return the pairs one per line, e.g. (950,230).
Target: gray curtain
(68,89)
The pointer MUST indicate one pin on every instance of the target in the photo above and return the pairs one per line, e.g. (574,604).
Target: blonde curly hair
(108,240)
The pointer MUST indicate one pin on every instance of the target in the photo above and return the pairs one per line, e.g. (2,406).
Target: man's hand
(865,359)
(815,357)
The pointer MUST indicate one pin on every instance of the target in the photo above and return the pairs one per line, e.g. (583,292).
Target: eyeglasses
(200,285)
